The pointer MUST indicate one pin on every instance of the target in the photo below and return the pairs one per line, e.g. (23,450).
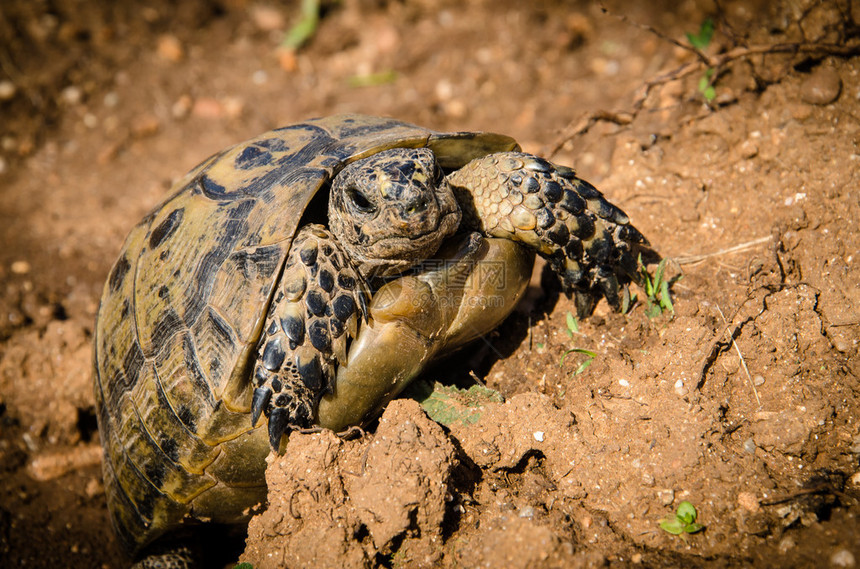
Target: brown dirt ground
(755,199)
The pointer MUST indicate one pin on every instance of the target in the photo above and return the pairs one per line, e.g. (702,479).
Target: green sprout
(573,328)
(684,520)
(243,566)
(373,79)
(305,28)
(700,42)
(657,297)
(703,39)
(705,88)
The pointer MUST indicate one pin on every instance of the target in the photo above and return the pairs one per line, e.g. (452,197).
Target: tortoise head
(392,210)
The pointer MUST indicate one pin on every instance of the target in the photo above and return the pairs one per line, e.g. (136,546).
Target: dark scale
(307,320)
(559,234)
(294,327)
(531,185)
(343,307)
(552,191)
(273,353)
(545,218)
(537,164)
(326,280)
(319,336)
(585,227)
(316,302)
(572,202)
(346,281)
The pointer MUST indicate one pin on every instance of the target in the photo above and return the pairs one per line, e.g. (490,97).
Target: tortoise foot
(314,312)
(588,241)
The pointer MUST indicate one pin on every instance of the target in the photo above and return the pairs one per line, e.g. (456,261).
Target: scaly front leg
(316,310)
(587,240)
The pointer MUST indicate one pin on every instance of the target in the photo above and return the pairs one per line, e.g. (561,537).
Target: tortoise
(306,276)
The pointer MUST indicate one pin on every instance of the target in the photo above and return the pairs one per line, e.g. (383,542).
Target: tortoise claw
(279,423)
(262,396)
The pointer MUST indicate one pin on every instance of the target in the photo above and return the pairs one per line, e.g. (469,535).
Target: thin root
(741,356)
(692,259)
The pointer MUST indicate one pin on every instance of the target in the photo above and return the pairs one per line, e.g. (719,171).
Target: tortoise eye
(359,201)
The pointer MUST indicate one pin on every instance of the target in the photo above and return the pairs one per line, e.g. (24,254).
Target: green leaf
(710,94)
(302,31)
(665,299)
(703,38)
(447,404)
(243,566)
(591,355)
(583,366)
(653,310)
(693,528)
(658,274)
(686,512)
(672,525)
(572,324)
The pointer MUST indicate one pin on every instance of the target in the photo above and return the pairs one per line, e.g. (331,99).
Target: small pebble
(144,125)
(749,149)
(20,267)
(758,380)
(786,544)
(527,512)
(842,558)
(233,107)
(538,435)
(749,502)
(71,95)
(7,90)
(855,480)
(207,108)
(444,90)
(267,18)
(749,446)
(181,107)
(666,497)
(111,99)
(623,383)
(822,87)
(259,77)
(287,59)
(170,48)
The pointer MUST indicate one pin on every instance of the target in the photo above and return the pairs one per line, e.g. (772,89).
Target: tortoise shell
(183,308)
